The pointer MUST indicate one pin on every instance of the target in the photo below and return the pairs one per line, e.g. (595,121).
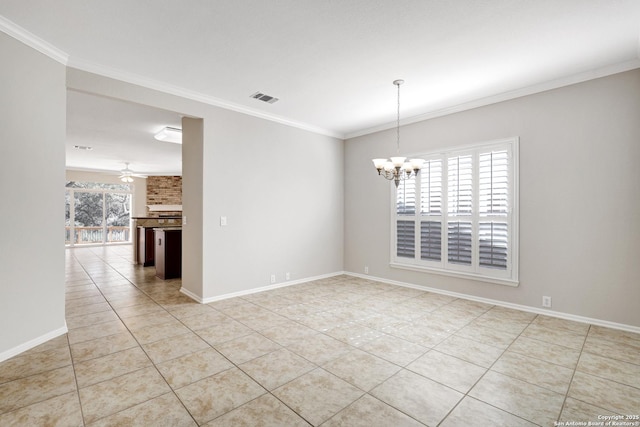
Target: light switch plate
(223,221)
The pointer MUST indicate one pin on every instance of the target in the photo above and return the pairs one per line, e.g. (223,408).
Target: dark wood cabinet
(168,252)
(146,246)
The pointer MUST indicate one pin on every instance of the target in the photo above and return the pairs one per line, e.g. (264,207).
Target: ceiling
(331,63)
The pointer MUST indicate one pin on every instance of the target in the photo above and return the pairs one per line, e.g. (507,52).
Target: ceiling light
(169,134)
(396,168)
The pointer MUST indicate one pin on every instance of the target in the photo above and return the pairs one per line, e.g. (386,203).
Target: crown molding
(506,96)
(192,95)
(33,41)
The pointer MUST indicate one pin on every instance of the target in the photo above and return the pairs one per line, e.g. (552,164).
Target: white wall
(32,133)
(281,189)
(139,188)
(579,196)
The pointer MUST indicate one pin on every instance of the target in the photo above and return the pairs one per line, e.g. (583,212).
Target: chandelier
(398,168)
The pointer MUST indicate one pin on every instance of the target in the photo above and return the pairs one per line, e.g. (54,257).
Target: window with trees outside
(459,216)
(97,213)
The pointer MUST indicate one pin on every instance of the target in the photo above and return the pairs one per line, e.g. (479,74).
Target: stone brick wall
(164,190)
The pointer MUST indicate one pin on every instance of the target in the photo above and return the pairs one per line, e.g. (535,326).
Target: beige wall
(579,197)
(33,111)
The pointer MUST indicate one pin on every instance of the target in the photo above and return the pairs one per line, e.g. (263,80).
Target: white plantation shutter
(460,183)
(474,231)
(431,188)
(494,183)
(406,197)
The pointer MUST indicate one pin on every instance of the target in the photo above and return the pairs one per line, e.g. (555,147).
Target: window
(97,213)
(459,216)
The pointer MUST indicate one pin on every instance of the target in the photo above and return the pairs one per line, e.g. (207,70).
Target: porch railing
(89,235)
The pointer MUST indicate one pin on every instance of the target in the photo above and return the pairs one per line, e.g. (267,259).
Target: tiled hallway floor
(341,351)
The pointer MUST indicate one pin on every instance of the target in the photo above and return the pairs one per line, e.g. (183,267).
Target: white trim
(17,32)
(33,343)
(257,290)
(148,83)
(455,273)
(529,309)
(506,96)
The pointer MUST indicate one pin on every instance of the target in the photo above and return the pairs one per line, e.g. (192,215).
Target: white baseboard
(257,290)
(33,343)
(550,313)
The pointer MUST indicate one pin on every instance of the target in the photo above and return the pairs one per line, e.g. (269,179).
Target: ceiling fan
(127,175)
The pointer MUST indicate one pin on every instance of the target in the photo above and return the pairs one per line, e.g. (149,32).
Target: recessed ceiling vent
(263,97)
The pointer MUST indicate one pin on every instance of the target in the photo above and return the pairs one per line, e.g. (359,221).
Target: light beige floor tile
(447,370)
(80,302)
(57,342)
(615,335)
(370,412)
(277,368)
(361,369)
(102,346)
(614,350)
(469,350)
(265,411)
(394,349)
(110,366)
(419,397)
(555,336)
(36,388)
(135,323)
(548,352)
(556,323)
(246,348)
(139,310)
(509,315)
(224,332)
(92,332)
(61,411)
(193,367)
(34,363)
(129,301)
(120,393)
(494,337)
(577,411)
(317,395)
(205,320)
(173,347)
(606,394)
(74,322)
(218,394)
(320,348)
(155,333)
(513,327)
(355,335)
(472,412)
(165,410)
(424,334)
(611,369)
(322,321)
(189,310)
(528,401)
(535,371)
(288,333)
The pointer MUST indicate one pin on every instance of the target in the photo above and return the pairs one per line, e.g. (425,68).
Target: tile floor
(341,351)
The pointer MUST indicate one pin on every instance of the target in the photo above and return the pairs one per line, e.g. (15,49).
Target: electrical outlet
(273,278)
(546,302)
(366,269)
(287,276)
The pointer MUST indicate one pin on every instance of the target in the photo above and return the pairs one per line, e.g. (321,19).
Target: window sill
(458,274)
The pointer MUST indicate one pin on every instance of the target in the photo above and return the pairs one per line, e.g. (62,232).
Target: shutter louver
(459,242)
(405,239)
(493,244)
(406,197)
(430,240)
(460,183)
(494,183)
(431,188)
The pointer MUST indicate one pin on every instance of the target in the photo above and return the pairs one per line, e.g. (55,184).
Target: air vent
(83,147)
(263,97)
